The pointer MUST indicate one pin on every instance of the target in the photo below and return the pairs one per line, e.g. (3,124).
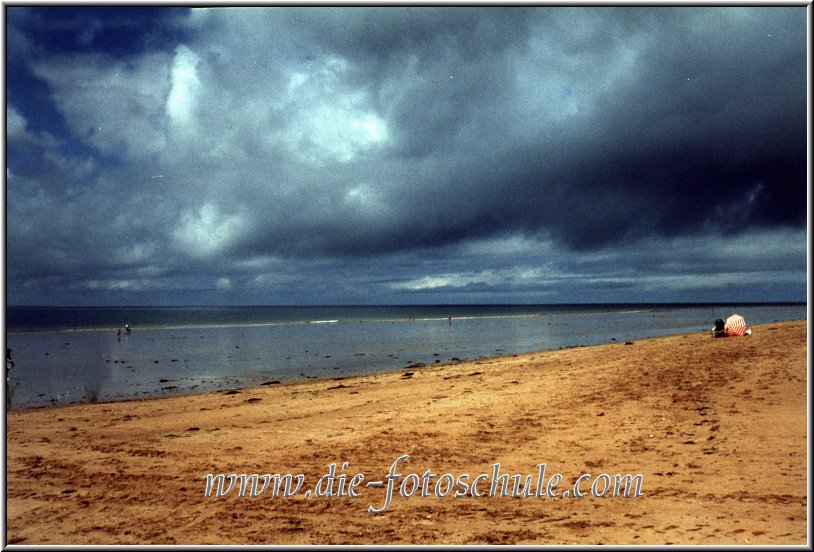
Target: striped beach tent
(735,325)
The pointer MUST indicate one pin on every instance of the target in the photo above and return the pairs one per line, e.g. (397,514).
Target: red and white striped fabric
(735,325)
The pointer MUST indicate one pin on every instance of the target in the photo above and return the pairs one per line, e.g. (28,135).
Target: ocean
(67,355)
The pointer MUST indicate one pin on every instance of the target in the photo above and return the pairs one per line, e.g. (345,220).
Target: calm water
(65,355)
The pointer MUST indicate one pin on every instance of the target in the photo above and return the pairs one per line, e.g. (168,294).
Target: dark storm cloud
(702,129)
(705,129)
(233,150)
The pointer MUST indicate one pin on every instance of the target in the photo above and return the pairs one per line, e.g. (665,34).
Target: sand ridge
(716,427)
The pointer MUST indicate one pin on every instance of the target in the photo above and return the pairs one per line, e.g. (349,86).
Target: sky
(405,155)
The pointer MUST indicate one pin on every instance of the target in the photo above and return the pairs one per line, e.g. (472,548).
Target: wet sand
(716,427)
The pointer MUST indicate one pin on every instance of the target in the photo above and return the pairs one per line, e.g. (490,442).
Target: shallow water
(177,351)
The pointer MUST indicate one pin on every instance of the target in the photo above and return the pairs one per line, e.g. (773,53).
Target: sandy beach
(715,427)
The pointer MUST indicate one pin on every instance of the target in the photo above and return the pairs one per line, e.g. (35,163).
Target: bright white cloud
(456,280)
(206,232)
(185,87)
(111,284)
(332,122)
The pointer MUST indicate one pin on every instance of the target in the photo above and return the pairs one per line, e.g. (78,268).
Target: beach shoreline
(716,428)
(56,367)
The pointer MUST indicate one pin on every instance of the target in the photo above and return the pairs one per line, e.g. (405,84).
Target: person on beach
(718,330)
(127,329)
(9,366)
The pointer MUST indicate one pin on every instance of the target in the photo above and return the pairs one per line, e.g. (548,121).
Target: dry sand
(716,427)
